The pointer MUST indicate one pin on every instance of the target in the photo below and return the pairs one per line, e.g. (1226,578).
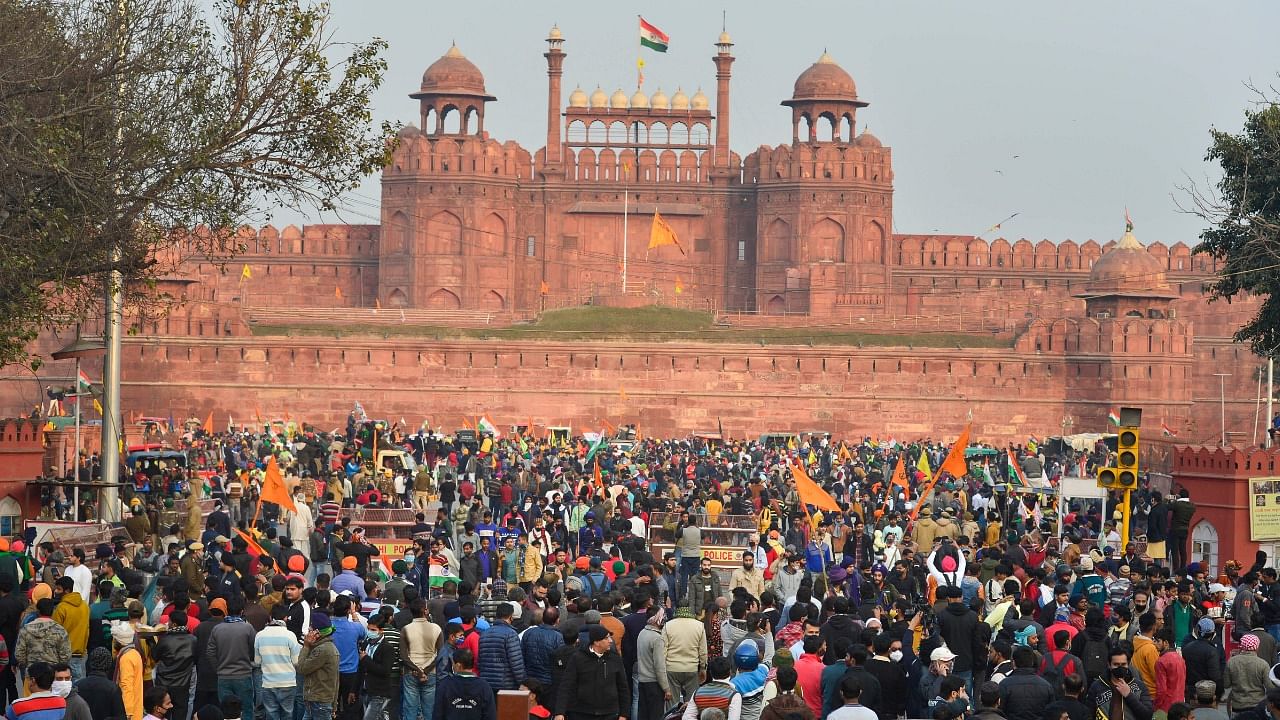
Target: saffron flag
(1113,415)
(273,487)
(245,274)
(660,233)
(900,477)
(254,547)
(923,466)
(844,455)
(810,492)
(955,462)
(337,291)
(653,38)
(208,424)
(544,288)
(679,285)
(596,478)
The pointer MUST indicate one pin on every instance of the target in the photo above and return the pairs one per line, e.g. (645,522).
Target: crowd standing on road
(532,567)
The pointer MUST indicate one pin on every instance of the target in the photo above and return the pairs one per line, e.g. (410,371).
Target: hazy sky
(1105,104)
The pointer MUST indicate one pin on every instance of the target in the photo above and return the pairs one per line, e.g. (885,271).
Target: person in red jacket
(1171,672)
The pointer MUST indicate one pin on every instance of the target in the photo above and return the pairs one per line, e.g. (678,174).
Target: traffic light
(1124,475)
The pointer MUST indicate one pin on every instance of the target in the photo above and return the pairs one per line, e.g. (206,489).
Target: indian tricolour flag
(653,38)
(82,383)
(1113,415)
(1016,476)
(488,427)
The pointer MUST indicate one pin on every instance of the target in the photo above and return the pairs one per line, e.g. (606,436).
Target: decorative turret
(824,91)
(452,84)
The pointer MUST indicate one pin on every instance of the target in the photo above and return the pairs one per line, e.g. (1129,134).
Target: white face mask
(896,656)
(61,688)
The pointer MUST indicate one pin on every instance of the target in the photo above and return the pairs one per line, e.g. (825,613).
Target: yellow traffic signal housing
(1107,478)
(1127,457)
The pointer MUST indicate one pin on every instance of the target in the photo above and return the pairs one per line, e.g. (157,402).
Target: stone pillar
(723,61)
(555,69)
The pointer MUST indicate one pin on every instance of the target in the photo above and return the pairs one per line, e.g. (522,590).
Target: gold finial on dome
(1129,242)
(454,52)
(826,58)
(555,33)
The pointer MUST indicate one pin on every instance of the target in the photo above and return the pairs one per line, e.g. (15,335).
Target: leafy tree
(1245,217)
(124,123)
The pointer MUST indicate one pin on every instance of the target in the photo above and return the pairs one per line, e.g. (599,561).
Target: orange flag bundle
(273,487)
(596,478)
(544,289)
(955,462)
(337,291)
(208,423)
(810,492)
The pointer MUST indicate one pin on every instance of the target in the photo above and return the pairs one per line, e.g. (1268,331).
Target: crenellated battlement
(938,252)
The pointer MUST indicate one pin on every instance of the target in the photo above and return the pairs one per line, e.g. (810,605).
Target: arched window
(10,516)
(1204,546)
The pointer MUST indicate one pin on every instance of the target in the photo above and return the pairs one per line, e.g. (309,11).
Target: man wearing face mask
(886,666)
(43,699)
(77,708)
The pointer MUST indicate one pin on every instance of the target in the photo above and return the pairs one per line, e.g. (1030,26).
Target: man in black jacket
(1158,530)
(594,684)
(1024,694)
(964,634)
(463,696)
(1203,657)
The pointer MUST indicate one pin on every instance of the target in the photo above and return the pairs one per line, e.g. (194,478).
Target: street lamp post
(1222,403)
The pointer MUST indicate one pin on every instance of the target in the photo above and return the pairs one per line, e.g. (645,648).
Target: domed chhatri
(867,140)
(577,98)
(659,101)
(618,101)
(679,101)
(453,74)
(699,101)
(825,80)
(640,100)
(1128,269)
(599,98)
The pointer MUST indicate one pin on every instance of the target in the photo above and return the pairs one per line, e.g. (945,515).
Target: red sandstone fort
(477,231)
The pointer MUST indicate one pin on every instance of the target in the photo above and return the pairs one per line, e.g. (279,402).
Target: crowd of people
(582,573)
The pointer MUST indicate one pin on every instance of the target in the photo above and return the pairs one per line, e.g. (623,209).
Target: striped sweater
(276,651)
(39,706)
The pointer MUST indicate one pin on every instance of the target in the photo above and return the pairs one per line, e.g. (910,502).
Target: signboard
(1264,508)
(721,556)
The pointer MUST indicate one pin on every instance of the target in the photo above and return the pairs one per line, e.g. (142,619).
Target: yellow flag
(679,285)
(97,406)
(244,272)
(661,234)
(923,465)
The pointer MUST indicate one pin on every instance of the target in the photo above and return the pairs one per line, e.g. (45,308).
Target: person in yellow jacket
(1145,653)
(72,614)
(530,569)
(128,668)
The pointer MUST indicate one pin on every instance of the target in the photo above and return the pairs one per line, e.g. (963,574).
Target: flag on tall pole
(1128,222)
(955,462)
(245,273)
(900,477)
(653,38)
(923,466)
(208,424)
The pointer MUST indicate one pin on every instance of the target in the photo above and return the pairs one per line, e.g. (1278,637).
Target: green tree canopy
(1245,217)
(123,123)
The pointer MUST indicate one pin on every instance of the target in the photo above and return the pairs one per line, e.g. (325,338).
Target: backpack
(1095,659)
(1055,671)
